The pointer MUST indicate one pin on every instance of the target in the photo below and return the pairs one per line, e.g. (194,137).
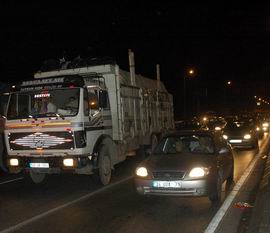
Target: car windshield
(64,102)
(238,124)
(202,144)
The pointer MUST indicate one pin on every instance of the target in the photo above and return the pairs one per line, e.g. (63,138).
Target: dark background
(221,41)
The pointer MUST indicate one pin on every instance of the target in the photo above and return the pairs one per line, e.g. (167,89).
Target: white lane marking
(10,181)
(46,213)
(225,206)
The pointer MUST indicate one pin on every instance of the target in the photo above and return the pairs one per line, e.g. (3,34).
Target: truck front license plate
(39,165)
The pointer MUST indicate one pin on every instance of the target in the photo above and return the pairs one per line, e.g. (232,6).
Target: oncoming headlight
(141,171)
(225,136)
(265,124)
(198,172)
(247,136)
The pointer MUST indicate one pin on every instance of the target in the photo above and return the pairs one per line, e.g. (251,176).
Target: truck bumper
(51,165)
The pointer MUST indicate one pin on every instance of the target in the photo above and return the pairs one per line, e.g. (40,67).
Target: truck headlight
(14,162)
(225,136)
(198,172)
(247,136)
(68,162)
(141,171)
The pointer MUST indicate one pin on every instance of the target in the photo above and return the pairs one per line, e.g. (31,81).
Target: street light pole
(190,73)
(184,85)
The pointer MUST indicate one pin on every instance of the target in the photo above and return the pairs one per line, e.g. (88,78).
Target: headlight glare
(247,136)
(198,172)
(14,162)
(225,136)
(217,128)
(68,162)
(141,171)
(265,124)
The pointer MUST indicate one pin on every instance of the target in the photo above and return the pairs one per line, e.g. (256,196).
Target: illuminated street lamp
(229,83)
(191,71)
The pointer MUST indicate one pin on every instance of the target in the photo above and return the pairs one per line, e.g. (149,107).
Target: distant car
(216,124)
(241,134)
(188,125)
(187,164)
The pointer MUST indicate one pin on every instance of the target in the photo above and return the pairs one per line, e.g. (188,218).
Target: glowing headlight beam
(198,172)
(141,171)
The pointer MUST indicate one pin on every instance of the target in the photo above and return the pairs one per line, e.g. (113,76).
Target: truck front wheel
(37,178)
(104,171)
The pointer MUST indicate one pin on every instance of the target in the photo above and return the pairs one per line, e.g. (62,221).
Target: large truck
(83,120)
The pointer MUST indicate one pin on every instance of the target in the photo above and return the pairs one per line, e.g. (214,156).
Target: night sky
(221,41)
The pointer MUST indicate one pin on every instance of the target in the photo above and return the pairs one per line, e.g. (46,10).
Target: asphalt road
(78,204)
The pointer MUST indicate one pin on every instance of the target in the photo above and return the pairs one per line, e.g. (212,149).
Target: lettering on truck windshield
(33,104)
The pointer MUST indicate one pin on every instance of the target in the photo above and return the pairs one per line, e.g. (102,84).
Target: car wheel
(215,197)
(104,171)
(231,176)
(255,145)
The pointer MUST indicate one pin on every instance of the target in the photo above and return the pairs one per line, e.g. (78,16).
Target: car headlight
(225,136)
(141,171)
(198,172)
(247,136)
(265,124)
(217,128)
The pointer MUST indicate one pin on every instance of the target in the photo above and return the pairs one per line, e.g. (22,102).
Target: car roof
(191,132)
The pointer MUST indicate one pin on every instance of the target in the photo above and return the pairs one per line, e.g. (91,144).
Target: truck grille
(41,140)
(168,175)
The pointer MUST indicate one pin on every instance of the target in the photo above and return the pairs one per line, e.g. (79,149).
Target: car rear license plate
(167,184)
(235,141)
(39,165)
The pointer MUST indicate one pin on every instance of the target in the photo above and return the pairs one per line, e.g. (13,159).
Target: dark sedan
(187,164)
(241,134)
(188,125)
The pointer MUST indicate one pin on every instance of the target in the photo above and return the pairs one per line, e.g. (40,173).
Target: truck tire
(154,142)
(2,154)
(104,171)
(36,178)
(141,152)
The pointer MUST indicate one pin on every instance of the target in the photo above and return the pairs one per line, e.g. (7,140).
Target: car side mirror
(223,151)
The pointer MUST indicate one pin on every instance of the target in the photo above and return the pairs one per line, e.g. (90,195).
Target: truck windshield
(64,102)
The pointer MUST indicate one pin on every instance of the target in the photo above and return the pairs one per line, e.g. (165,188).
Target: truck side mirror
(103,97)
(223,151)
